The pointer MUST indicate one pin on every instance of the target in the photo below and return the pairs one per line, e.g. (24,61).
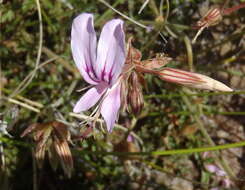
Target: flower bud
(135,96)
(124,95)
(211,18)
(191,79)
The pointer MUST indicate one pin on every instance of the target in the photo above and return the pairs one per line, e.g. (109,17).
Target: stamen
(85,88)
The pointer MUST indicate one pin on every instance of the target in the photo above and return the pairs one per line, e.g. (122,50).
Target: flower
(102,69)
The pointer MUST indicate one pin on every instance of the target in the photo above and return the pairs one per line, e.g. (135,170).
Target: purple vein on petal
(110,51)
(110,106)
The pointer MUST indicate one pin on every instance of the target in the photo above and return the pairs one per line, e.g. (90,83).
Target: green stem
(203,94)
(153,153)
(189,52)
(153,7)
(106,14)
(167,152)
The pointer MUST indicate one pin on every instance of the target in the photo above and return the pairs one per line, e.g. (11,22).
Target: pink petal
(215,188)
(211,168)
(220,172)
(130,138)
(90,98)
(83,46)
(111,51)
(227,183)
(111,105)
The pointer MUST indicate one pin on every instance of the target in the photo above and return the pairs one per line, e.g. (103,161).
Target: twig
(154,8)
(170,32)
(31,102)
(34,167)
(143,6)
(123,15)
(27,77)
(21,88)
(160,8)
(62,61)
(168,8)
(189,52)
(167,152)
(23,105)
(232,9)
(198,34)
(176,95)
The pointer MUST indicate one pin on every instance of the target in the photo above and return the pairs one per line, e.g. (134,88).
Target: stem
(62,61)
(34,165)
(143,6)
(23,105)
(233,9)
(21,88)
(85,117)
(133,124)
(153,7)
(168,8)
(189,52)
(123,15)
(166,152)
(203,94)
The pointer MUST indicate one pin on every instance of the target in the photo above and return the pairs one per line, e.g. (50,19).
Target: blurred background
(39,83)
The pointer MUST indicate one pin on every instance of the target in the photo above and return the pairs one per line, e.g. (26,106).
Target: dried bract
(49,137)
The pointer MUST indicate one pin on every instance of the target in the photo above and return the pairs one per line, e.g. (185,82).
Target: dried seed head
(52,137)
(64,153)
